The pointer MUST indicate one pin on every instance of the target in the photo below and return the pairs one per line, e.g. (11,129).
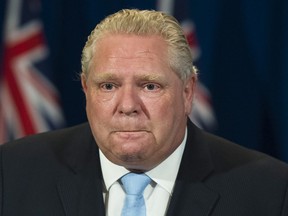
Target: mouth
(129,130)
(130,134)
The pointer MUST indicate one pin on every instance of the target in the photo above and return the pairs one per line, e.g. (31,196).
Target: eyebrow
(111,76)
(104,76)
(150,77)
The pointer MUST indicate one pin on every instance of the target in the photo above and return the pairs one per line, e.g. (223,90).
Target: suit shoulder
(60,135)
(228,155)
(48,152)
(47,143)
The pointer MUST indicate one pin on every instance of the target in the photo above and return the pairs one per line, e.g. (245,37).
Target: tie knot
(134,184)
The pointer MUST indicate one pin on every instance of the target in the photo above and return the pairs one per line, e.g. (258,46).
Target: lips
(135,134)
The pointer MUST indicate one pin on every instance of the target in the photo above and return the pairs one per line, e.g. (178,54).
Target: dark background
(243,62)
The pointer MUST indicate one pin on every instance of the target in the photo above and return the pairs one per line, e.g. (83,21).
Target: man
(139,80)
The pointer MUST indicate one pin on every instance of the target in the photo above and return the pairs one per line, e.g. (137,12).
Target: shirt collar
(164,174)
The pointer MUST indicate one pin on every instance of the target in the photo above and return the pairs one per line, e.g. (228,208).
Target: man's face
(136,105)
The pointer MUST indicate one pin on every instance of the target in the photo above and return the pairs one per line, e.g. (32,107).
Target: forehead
(129,45)
(130,52)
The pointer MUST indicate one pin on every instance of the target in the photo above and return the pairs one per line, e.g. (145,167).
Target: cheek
(98,112)
(99,118)
(172,102)
(95,101)
(170,115)
(166,111)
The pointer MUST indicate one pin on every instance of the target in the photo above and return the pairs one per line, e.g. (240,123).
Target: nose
(129,101)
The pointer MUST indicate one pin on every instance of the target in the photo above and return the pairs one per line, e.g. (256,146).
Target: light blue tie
(134,185)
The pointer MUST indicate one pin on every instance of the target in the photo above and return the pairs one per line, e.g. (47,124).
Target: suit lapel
(192,199)
(69,192)
(81,193)
(191,196)
(80,186)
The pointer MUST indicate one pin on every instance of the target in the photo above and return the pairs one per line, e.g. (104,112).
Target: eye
(151,87)
(108,86)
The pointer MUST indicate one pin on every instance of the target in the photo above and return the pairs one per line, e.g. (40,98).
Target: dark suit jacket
(59,174)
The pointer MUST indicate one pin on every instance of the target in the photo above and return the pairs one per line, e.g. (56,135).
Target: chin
(131,157)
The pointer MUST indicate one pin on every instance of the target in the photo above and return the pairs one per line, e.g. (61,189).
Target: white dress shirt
(157,194)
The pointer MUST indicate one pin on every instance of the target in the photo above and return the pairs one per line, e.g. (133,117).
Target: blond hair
(144,23)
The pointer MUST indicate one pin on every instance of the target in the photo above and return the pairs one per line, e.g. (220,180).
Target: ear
(189,91)
(84,82)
